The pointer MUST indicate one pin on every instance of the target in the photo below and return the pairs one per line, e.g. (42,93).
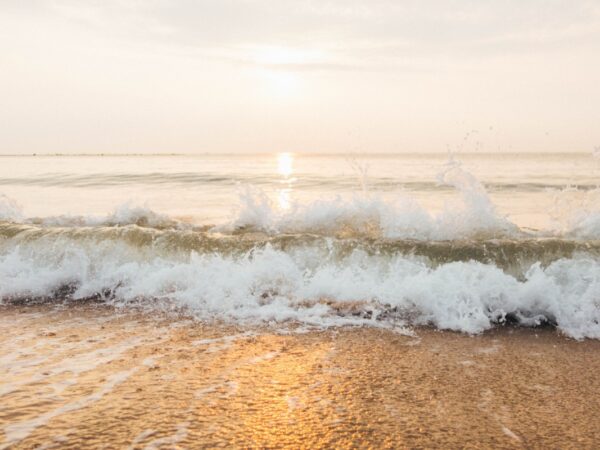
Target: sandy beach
(97,377)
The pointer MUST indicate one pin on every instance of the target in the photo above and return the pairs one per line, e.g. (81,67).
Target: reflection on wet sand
(92,376)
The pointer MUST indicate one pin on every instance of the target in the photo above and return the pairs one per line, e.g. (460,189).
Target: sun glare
(285,164)
(285,168)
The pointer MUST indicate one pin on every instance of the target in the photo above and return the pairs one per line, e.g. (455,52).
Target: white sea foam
(10,210)
(126,213)
(310,284)
(472,215)
(267,285)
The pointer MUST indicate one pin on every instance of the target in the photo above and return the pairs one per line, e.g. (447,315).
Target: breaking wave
(311,280)
(330,262)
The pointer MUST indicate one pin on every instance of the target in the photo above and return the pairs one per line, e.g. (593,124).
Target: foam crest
(311,286)
(10,210)
(576,213)
(127,213)
(477,214)
(124,214)
(473,215)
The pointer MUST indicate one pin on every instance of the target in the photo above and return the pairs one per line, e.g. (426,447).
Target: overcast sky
(322,76)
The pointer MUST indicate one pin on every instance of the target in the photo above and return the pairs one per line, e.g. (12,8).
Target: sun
(280,68)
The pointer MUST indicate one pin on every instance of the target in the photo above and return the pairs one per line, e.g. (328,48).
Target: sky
(223,76)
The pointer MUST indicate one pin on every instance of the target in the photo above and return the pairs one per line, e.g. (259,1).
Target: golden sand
(94,377)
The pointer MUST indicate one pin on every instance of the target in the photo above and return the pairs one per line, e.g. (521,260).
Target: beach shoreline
(95,376)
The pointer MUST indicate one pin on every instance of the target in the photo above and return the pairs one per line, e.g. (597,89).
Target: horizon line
(306,153)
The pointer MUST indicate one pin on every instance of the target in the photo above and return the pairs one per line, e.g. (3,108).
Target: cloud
(378,33)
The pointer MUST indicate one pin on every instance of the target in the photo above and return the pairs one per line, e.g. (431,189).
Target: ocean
(299,301)
(464,242)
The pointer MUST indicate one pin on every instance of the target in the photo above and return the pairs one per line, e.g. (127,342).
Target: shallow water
(92,376)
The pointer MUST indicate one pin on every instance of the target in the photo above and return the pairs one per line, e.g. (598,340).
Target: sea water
(462,242)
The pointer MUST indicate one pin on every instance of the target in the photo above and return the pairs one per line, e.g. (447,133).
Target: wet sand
(95,377)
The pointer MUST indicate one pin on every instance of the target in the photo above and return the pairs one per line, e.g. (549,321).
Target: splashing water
(372,257)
